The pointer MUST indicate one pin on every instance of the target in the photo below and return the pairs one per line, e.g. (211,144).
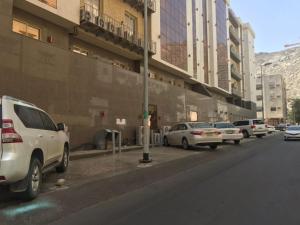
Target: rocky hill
(287,63)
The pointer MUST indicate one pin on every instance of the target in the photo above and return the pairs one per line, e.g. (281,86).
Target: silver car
(292,133)
(193,134)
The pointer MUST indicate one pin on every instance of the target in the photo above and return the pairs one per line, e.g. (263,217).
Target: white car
(193,134)
(292,133)
(252,127)
(229,132)
(31,144)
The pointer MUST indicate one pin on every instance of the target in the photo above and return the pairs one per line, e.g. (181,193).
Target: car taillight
(266,126)
(9,135)
(197,133)
(253,126)
(2,178)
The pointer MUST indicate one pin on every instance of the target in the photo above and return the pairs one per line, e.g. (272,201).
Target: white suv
(31,144)
(252,127)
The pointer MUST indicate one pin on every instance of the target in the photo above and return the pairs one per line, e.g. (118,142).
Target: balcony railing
(139,5)
(103,25)
(234,54)
(234,36)
(235,74)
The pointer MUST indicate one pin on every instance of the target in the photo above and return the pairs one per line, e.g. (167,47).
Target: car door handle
(40,136)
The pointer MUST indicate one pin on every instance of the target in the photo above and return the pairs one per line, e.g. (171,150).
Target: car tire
(245,134)
(185,144)
(34,180)
(237,142)
(165,142)
(213,147)
(63,166)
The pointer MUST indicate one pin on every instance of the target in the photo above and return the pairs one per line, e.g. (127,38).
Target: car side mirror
(61,127)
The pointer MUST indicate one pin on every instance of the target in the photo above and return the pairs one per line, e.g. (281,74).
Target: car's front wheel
(34,180)
(213,147)
(185,144)
(63,166)
(237,142)
(245,134)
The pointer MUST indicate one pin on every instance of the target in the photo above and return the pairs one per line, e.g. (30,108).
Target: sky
(275,22)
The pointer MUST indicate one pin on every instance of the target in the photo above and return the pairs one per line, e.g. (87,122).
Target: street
(255,183)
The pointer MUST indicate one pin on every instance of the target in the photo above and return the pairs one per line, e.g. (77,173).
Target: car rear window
(258,122)
(200,125)
(224,125)
(30,117)
(293,128)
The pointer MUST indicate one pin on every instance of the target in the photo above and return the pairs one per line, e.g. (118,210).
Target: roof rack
(17,100)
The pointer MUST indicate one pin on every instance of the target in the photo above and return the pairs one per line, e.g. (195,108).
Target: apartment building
(271,99)
(82,62)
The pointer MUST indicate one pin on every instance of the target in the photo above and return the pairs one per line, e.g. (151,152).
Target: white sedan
(292,133)
(230,132)
(193,134)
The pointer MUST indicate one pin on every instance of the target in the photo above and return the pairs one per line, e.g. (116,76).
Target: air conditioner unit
(85,15)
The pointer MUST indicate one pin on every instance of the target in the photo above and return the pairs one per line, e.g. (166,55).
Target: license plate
(209,134)
(229,132)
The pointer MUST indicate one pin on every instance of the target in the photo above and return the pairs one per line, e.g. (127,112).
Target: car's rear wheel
(185,144)
(237,142)
(63,166)
(34,180)
(245,134)
(213,147)
(166,143)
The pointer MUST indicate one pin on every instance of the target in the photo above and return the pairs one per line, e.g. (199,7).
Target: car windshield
(224,125)
(294,128)
(200,125)
(258,122)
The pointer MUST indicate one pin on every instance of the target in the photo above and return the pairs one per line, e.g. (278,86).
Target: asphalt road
(256,183)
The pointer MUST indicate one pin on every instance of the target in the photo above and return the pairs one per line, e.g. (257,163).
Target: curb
(96,153)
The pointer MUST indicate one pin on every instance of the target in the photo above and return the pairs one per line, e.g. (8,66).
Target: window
(52,3)
(48,123)
(130,22)
(258,87)
(258,122)
(224,125)
(193,116)
(182,127)
(30,117)
(80,50)
(241,123)
(26,29)
(259,97)
(273,109)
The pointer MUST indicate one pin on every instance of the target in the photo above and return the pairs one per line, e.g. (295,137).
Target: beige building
(83,62)
(271,99)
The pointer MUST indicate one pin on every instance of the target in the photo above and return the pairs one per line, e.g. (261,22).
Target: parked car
(281,127)
(252,127)
(31,145)
(193,134)
(229,132)
(271,129)
(292,133)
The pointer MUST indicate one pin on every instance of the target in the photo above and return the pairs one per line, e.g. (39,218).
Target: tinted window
(182,127)
(258,122)
(224,125)
(48,123)
(200,125)
(294,128)
(175,127)
(30,117)
(241,123)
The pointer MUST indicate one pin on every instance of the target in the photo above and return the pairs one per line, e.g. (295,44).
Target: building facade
(82,62)
(271,99)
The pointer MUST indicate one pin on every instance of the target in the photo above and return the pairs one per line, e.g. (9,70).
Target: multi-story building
(82,61)
(271,99)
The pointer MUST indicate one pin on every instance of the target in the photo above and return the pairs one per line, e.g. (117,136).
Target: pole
(262,94)
(146,152)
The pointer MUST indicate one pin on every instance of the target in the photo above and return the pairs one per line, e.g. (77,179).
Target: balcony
(234,36)
(233,19)
(112,30)
(139,5)
(235,73)
(234,54)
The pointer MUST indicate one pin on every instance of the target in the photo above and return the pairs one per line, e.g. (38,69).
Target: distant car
(292,133)
(252,127)
(229,132)
(281,127)
(271,129)
(193,134)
